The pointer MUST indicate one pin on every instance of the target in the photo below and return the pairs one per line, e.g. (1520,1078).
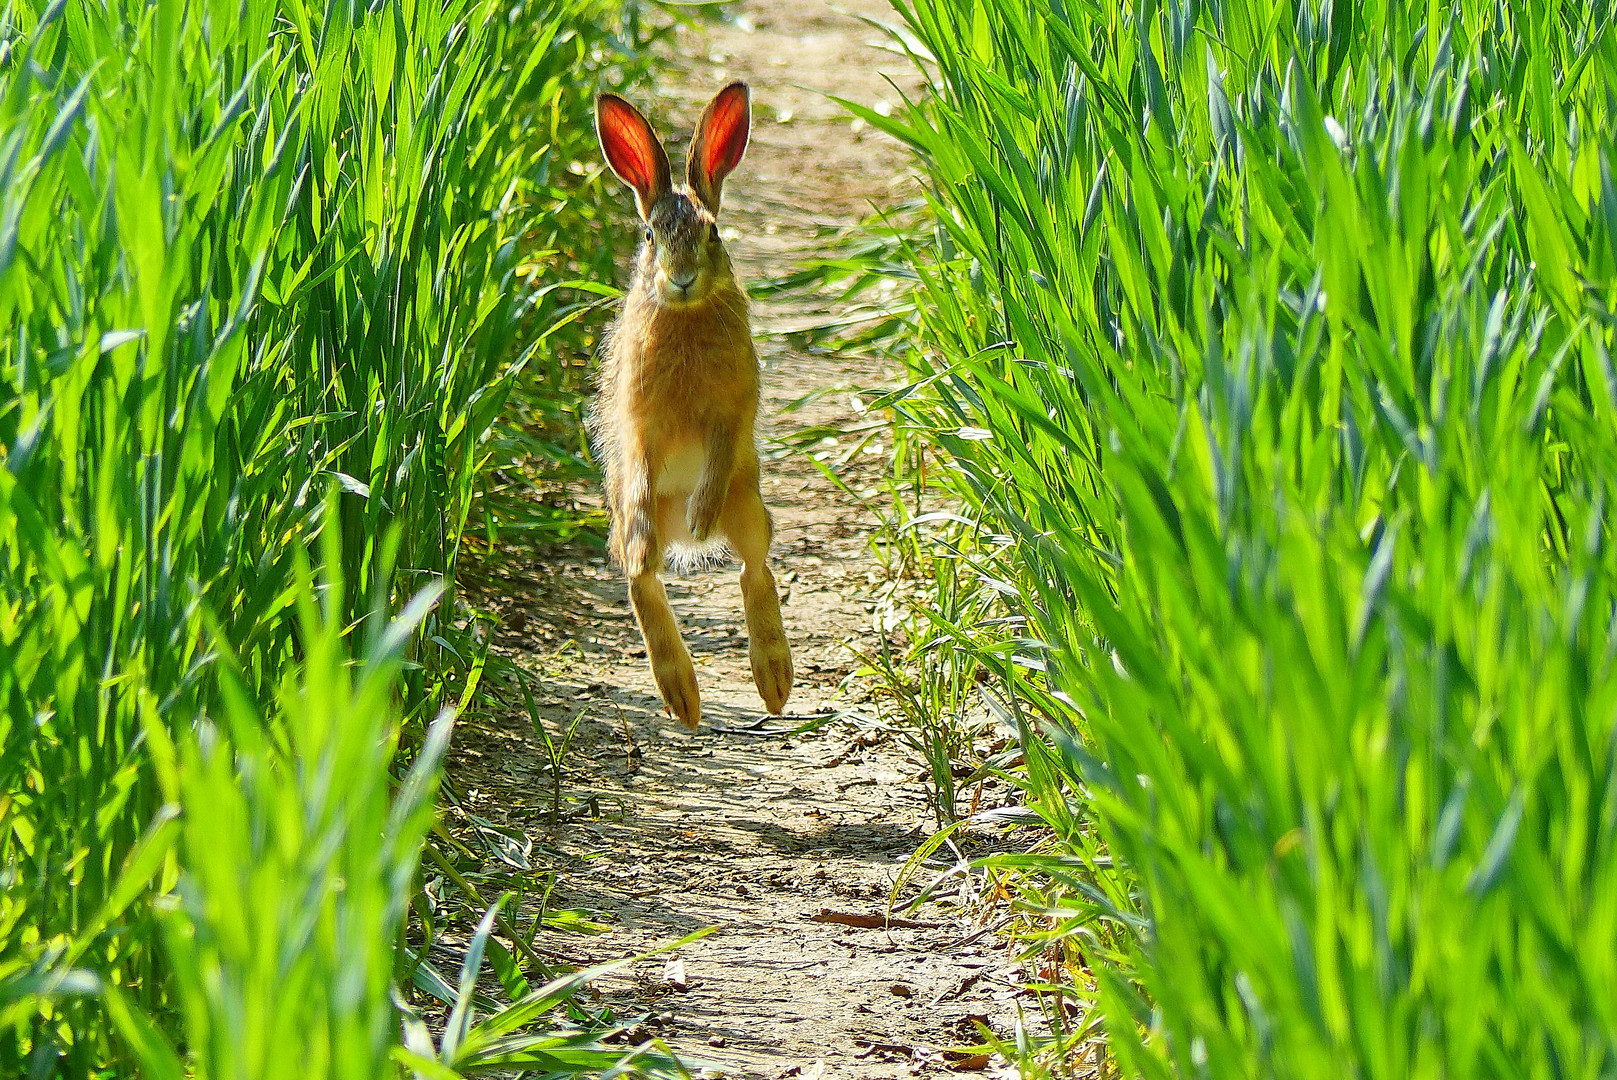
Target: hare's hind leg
(670,660)
(637,543)
(747,527)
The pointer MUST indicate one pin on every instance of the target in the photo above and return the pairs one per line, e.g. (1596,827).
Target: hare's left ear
(721,140)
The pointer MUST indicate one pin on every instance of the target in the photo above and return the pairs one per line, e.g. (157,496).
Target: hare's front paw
(702,512)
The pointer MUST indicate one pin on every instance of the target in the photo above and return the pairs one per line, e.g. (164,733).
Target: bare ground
(745,825)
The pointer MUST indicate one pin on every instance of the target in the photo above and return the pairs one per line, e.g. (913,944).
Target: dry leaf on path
(968,1062)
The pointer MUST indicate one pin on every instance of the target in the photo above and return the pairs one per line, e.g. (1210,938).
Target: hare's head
(685,258)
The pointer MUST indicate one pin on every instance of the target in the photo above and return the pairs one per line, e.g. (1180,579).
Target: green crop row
(269,272)
(1268,346)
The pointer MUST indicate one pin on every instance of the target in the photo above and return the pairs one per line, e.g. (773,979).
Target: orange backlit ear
(721,140)
(632,150)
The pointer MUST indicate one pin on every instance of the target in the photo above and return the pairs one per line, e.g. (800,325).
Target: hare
(678,395)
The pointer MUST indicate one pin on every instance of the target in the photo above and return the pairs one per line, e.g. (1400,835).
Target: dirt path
(744,825)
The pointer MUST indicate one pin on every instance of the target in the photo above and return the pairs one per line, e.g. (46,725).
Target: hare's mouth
(674,291)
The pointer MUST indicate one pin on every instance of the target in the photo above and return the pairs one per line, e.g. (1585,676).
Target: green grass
(270,273)
(1276,338)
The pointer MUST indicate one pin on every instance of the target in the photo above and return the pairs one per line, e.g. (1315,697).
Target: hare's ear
(721,139)
(633,151)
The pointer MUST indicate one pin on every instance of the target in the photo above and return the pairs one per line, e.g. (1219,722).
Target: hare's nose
(682,281)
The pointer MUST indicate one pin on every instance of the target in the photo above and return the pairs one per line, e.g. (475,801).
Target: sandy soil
(745,825)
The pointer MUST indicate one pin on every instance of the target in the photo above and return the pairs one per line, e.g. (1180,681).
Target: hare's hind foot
(748,528)
(772,672)
(676,681)
(670,659)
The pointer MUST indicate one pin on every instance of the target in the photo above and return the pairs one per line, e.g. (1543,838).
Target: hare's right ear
(633,151)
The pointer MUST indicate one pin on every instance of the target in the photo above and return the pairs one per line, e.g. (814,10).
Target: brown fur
(678,396)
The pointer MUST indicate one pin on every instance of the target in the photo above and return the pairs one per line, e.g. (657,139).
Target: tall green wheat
(1277,336)
(251,251)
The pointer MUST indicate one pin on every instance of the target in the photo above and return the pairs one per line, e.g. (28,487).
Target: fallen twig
(973,936)
(872,922)
(633,750)
(951,992)
(763,732)
(871,1047)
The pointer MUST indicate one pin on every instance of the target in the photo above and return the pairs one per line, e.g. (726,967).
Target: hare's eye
(648,234)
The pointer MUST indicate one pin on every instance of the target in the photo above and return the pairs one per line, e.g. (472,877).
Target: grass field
(269,274)
(1265,351)
(1258,457)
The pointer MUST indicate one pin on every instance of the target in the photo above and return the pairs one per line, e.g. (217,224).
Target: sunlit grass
(1277,338)
(259,286)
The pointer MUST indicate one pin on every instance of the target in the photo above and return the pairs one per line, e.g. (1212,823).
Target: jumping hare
(678,395)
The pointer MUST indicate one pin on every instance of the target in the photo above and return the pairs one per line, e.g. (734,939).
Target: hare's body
(673,381)
(678,399)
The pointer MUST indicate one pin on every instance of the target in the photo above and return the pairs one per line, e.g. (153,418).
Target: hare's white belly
(681,470)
